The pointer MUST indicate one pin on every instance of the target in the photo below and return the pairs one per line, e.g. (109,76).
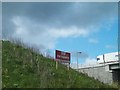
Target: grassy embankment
(26,69)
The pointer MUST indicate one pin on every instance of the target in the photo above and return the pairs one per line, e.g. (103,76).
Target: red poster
(60,55)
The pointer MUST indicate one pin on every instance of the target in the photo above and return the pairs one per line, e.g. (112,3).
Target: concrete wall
(102,73)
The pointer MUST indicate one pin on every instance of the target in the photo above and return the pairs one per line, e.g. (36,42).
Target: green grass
(25,69)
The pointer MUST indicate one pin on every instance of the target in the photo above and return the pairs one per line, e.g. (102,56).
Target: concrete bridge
(106,73)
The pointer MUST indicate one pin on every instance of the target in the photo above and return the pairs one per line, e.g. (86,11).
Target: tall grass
(24,68)
(0,64)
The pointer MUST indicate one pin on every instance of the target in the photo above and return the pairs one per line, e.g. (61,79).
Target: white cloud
(110,47)
(93,40)
(51,21)
(73,65)
(67,32)
(32,32)
(90,61)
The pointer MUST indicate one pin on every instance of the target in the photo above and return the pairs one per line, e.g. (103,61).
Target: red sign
(60,55)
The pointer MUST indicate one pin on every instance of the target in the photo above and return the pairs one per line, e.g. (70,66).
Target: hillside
(23,68)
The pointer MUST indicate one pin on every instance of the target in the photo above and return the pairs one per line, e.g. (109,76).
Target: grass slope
(26,69)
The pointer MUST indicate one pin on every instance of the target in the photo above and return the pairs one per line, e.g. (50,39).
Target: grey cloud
(41,17)
(92,14)
(0,20)
(63,14)
(8,28)
(67,14)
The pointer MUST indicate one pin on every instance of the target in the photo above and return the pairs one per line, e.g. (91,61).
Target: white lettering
(63,57)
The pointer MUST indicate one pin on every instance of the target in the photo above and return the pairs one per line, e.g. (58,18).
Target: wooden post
(38,67)
(104,59)
(68,66)
(77,61)
(56,64)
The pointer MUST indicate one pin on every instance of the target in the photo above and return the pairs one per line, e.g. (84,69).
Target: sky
(0,20)
(87,27)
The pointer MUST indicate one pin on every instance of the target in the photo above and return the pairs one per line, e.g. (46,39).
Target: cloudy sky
(91,27)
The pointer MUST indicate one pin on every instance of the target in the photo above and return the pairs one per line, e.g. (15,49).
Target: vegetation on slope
(0,64)
(25,69)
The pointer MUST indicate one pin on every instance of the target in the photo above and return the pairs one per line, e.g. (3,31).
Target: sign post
(77,59)
(62,56)
(68,66)
(56,64)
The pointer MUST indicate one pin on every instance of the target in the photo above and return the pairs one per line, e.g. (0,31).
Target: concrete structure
(106,73)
